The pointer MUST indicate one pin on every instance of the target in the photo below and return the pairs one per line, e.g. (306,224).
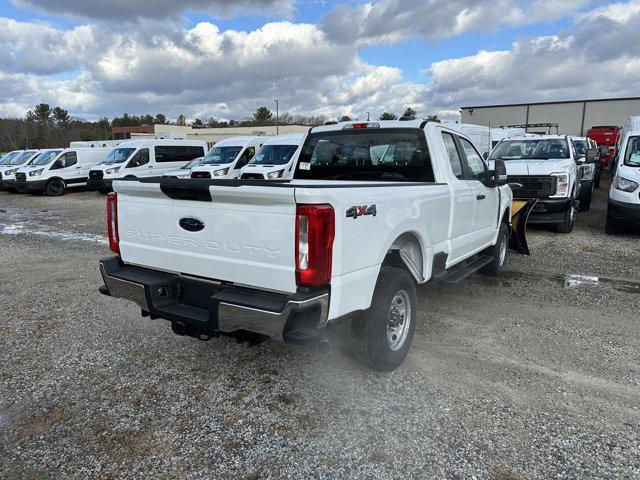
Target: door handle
(480,197)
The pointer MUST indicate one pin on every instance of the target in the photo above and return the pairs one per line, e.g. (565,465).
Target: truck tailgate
(248,234)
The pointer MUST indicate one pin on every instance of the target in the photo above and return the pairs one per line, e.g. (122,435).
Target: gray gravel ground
(530,375)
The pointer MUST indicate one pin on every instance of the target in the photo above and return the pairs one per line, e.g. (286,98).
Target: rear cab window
(380,154)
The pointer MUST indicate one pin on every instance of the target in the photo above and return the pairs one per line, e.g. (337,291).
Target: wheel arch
(407,251)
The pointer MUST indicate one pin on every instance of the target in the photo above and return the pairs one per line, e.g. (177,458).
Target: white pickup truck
(373,210)
(548,169)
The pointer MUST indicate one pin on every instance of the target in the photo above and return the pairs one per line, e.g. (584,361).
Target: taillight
(315,230)
(112,222)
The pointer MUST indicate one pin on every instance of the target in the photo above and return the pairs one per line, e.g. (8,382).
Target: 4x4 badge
(357,211)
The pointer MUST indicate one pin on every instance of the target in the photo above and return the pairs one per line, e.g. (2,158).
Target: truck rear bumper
(200,307)
(550,211)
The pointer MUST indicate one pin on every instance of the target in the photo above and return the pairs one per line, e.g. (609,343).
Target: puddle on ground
(568,281)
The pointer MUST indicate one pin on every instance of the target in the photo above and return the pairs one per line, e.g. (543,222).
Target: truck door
(464,201)
(486,198)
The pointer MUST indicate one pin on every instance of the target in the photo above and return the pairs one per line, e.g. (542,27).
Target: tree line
(47,127)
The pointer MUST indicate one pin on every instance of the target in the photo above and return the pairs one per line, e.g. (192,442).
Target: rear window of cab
(398,155)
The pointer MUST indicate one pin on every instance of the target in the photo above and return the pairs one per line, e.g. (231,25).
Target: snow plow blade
(520,210)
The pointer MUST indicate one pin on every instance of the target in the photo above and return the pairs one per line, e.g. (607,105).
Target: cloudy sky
(223,58)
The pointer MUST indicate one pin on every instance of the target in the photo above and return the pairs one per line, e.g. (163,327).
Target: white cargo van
(479,135)
(8,171)
(143,158)
(56,170)
(6,158)
(624,194)
(276,159)
(227,157)
(184,171)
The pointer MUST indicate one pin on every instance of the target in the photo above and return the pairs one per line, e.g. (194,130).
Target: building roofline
(593,100)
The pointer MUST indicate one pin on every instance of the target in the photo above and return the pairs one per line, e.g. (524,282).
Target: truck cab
(227,157)
(545,168)
(623,209)
(606,137)
(276,159)
(143,158)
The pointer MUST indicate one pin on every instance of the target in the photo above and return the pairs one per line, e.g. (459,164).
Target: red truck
(607,136)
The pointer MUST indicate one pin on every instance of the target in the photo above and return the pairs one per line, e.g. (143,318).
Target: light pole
(277,100)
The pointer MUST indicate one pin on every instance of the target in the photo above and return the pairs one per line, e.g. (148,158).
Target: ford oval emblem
(191,224)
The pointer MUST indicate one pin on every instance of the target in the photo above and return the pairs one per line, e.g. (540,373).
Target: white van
(227,157)
(143,158)
(54,171)
(479,135)
(624,194)
(276,159)
(7,157)
(8,171)
(184,171)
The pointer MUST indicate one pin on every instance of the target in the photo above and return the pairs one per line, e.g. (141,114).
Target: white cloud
(596,58)
(392,21)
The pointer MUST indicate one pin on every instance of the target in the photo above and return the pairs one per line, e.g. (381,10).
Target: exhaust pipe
(324,347)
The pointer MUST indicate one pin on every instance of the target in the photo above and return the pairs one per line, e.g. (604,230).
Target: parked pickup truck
(547,169)
(374,209)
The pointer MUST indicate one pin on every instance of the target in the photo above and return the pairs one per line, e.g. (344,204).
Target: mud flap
(520,210)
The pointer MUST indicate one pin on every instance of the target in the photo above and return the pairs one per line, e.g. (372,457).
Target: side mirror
(57,164)
(499,173)
(592,155)
(485,155)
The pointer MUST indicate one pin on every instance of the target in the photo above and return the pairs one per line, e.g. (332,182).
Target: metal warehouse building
(573,117)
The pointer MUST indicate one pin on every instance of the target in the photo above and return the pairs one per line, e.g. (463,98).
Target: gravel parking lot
(535,374)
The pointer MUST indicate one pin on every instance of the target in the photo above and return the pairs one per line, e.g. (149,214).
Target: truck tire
(55,187)
(569,218)
(611,227)
(382,335)
(585,201)
(498,252)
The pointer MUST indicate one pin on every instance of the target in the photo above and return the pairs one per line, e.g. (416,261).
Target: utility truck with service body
(373,210)
(227,157)
(624,194)
(276,158)
(55,171)
(546,168)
